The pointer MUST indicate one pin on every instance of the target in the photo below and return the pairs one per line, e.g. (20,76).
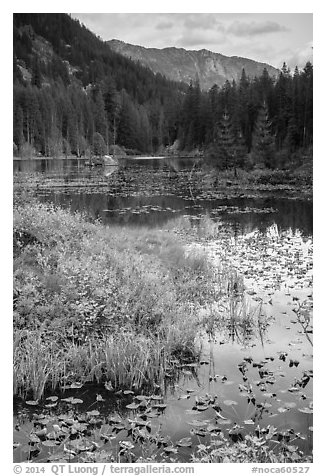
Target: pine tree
(191,117)
(263,144)
(240,149)
(307,77)
(282,104)
(225,142)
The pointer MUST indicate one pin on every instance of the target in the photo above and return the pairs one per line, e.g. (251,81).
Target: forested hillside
(178,64)
(71,92)
(259,121)
(74,95)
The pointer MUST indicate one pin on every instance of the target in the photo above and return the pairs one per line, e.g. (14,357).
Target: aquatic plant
(123,310)
(101,302)
(252,449)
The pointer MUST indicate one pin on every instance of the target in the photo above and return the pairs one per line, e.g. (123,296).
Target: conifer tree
(225,142)
(263,144)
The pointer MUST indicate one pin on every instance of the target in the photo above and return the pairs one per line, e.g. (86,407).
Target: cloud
(253,28)
(164,25)
(270,38)
(203,21)
(198,39)
(300,56)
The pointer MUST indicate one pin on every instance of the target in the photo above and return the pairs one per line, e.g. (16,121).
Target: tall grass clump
(96,303)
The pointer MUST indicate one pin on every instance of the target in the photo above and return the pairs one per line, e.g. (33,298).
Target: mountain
(179,64)
(75,94)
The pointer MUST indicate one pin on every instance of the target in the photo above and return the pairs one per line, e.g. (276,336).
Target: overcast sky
(268,37)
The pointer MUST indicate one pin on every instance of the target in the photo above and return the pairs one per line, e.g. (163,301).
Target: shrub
(89,296)
(27,151)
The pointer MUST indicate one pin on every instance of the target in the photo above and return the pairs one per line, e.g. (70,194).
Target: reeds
(95,303)
(37,364)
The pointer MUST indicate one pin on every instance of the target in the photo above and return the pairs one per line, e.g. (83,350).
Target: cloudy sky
(267,37)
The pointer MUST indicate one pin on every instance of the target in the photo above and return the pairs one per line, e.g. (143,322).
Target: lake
(149,192)
(258,370)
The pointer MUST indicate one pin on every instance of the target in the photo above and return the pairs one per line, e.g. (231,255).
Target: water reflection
(110,169)
(242,348)
(147,192)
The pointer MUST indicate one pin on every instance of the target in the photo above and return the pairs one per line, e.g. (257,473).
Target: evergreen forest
(73,95)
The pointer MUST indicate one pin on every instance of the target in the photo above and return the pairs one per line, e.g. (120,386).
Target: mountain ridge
(180,64)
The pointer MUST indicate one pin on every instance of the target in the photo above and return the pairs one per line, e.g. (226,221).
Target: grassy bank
(295,178)
(95,303)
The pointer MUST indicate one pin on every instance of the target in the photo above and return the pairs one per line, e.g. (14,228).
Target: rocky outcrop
(179,64)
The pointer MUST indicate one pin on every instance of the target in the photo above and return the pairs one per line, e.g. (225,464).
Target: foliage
(69,90)
(263,142)
(98,302)
(259,447)
(78,87)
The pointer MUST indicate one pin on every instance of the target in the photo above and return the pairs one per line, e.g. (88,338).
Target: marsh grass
(37,364)
(95,303)
(233,312)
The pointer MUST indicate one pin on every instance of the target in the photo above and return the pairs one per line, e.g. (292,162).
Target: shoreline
(131,157)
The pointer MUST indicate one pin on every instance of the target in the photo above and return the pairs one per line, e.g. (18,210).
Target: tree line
(79,97)
(261,120)
(73,94)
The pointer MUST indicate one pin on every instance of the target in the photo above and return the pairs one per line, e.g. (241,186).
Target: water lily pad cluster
(249,391)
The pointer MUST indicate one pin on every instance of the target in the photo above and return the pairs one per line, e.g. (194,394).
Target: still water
(151,192)
(270,353)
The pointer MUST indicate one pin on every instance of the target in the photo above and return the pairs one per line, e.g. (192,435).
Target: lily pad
(282,409)
(51,405)
(93,413)
(213,428)
(305,410)
(126,445)
(132,406)
(293,389)
(201,408)
(141,398)
(76,385)
(184,443)
(170,449)
(82,444)
(160,406)
(199,432)
(184,397)
(33,438)
(53,398)
(49,443)
(115,419)
(41,433)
